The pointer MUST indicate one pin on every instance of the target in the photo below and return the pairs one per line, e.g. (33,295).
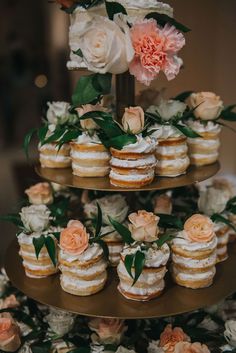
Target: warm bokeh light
(41,81)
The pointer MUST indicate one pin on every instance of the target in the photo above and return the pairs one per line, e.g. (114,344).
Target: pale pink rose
(186,347)
(133,120)
(109,331)
(170,337)
(9,302)
(144,226)
(89,124)
(209,105)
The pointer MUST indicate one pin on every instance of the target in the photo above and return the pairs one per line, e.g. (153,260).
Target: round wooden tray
(65,177)
(110,303)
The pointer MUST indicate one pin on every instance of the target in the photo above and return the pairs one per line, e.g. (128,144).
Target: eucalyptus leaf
(122,230)
(51,248)
(114,8)
(27,141)
(98,220)
(139,263)
(38,244)
(129,260)
(163,19)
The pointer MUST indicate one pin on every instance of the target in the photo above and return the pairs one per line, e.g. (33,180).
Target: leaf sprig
(49,242)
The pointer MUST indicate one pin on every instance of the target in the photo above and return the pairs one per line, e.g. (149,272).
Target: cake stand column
(125,92)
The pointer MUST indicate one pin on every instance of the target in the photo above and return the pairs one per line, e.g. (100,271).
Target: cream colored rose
(40,194)
(89,124)
(213,200)
(114,206)
(35,218)
(106,46)
(144,226)
(230,332)
(210,106)
(60,322)
(109,331)
(133,120)
(58,113)
(169,109)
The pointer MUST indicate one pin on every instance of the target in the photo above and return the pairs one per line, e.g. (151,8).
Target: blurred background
(33,56)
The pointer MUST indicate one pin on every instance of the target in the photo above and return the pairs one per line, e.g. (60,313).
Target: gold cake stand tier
(110,304)
(65,177)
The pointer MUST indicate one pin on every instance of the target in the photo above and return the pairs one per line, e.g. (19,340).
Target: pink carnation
(155,50)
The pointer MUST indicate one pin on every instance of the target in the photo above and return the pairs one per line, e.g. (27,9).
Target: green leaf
(227,126)
(102,83)
(104,121)
(27,141)
(183,96)
(51,248)
(114,8)
(57,235)
(42,132)
(218,218)
(139,263)
(78,52)
(55,136)
(81,350)
(119,142)
(122,230)
(186,130)
(104,247)
(169,221)
(164,19)
(44,347)
(12,218)
(129,260)
(68,137)
(227,113)
(38,244)
(98,220)
(164,239)
(85,92)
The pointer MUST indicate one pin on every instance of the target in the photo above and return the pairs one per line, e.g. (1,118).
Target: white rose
(122,349)
(168,109)
(209,105)
(35,217)
(114,206)
(230,332)
(213,200)
(106,45)
(58,113)
(153,347)
(60,322)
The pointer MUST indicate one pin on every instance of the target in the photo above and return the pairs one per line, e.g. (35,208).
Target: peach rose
(89,124)
(210,106)
(199,228)
(109,331)
(133,120)
(186,347)
(162,204)
(74,239)
(144,226)
(40,194)
(9,335)
(9,302)
(170,337)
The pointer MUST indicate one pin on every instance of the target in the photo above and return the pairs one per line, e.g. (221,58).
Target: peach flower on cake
(186,347)
(133,120)
(170,337)
(109,331)
(9,302)
(89,124)
(9,335)
(40,194)
(199,228)
(209,105)
(74,239)
(155,50)
(144,226)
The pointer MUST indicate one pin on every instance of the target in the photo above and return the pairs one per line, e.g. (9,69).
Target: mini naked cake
(150,284)
(134,165)
(194,253)
(82,266)
(51,157)
(204,150)
(89,156)
(222,233)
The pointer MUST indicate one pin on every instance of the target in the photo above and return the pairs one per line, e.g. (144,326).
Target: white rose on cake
(209,105)
(230,332)
(213,200)
(58,113)
(105,45)
(168,109)
(35,218)
(60,322)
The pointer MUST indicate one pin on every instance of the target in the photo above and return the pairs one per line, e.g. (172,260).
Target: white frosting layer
(52,147)
(145,277)
(172,150)
(80,283)
(206,155)
(98,267)
(142,162)
(115,249)
(155,257)
(223,250)
(42,255)
(194,276)
(224,239)
(142,291)
(215,143)
(194,263)
(54,157)
(164,131)
(27,239)
(186,244)
(146,4)
(142,145)
(132,177)
(93,251)
(88,169)
(199,126)
(37,267)
(86,139)
(174,163)
(219,226)
(90,155)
